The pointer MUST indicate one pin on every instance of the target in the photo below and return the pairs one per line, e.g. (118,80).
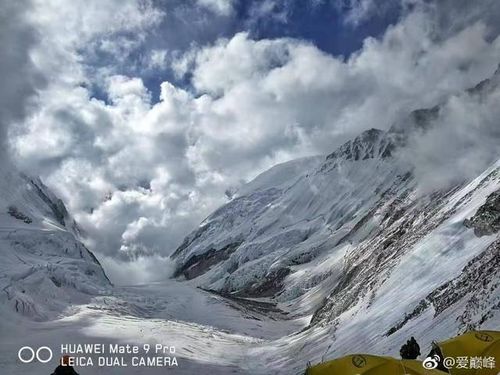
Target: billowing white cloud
(140,175)
(462,142)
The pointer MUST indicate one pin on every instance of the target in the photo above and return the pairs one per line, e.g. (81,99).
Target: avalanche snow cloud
(139,171)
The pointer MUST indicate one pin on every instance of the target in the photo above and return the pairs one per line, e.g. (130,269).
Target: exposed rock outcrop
(197,265)
(486,221)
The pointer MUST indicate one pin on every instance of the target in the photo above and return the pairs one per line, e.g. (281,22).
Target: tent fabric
(415,367)
(473,344)
(365,364)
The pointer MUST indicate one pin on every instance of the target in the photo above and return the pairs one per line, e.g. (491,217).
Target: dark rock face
(56,205)
(486,221)
(486,86)
(199,264)
(14,212)
(253,309)
(370,144)
(270,286)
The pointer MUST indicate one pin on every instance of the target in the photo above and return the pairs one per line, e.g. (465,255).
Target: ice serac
(45,268)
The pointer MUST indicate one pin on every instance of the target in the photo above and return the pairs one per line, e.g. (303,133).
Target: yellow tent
(471,353)
(365,364)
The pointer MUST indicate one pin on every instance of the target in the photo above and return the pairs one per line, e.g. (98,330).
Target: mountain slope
(432,280)
(355,244)
(44,266)
(262,236)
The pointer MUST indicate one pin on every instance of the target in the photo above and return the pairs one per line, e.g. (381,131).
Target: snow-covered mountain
(44,268)
(350,240)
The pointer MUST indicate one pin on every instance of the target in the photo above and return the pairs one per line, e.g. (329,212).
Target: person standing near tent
(410,350)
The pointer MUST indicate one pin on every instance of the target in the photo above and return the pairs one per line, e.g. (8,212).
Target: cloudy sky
(141,114)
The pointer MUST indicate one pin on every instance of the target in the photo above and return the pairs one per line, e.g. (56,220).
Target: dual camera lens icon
(27,354)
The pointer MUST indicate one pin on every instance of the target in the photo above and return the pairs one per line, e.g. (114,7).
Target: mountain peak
(370,144)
